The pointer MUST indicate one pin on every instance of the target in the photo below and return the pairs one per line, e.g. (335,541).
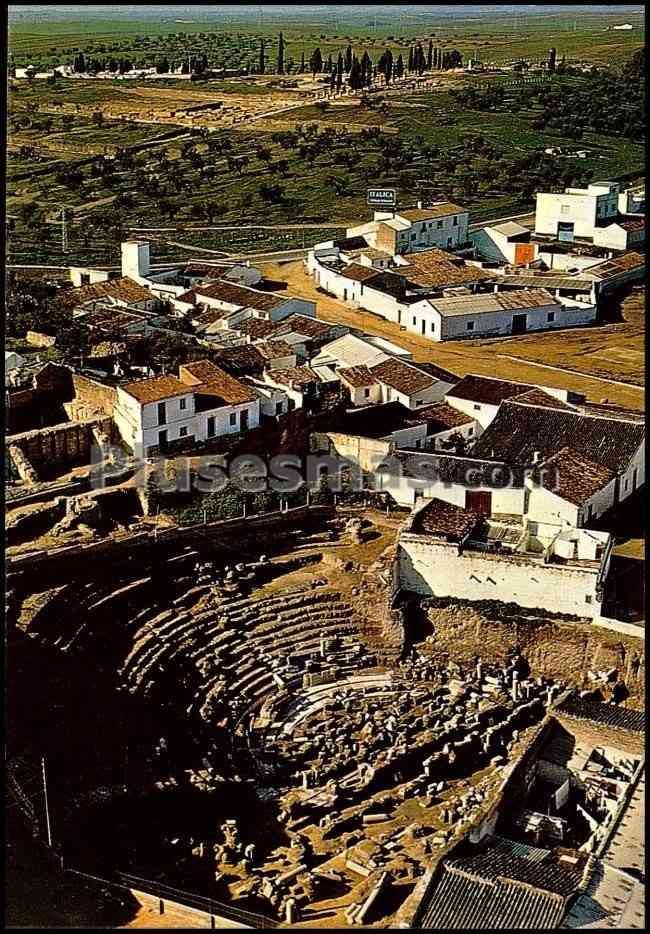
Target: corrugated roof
(493,302)
(547,282)
(614,267)
(511,229)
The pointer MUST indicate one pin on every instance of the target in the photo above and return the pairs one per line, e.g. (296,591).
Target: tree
(399,67)
(162,68)
(366,70)
(263,153)
(98,118)
(355,78)
(348,59)
(262,62)
(339,72)
(430,56)
(302,63)
(281,55)
(411,63)
(316,62)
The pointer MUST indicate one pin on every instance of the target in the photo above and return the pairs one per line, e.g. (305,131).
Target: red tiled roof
(357,376)
(442,417)
(205,378)
(445,520)
(402,377)
(573,477)
(156,389)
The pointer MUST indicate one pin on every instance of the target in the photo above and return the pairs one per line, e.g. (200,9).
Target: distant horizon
(340,12)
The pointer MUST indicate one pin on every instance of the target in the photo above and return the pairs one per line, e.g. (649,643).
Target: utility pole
(47,806)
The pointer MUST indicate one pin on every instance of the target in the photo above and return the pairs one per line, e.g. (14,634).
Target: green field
(308,165)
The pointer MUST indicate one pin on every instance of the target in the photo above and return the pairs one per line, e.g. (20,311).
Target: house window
(588,598)
(212,426)
(278,408)
(182,432)
(413,236)
(366,393)
(439,225)
(233,418)
(455,222)
(477,408)
(470,326)
(565,209)
(550,316)
(470,431)
(183,404)
(162,413)
(415,321)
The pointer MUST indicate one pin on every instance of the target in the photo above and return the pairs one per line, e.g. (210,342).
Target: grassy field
(577,34)
(70,123)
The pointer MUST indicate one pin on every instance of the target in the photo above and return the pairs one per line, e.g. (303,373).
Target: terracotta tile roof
(401,376)
(359,273)
(295,376)
(443,209)
(240,296)
(244,360)
(357,376)
(206,269)
(573,477)
(124,289)
(305,324)
(156,389)
(211,316)
(487,390)
(188,297)
(438,269)
(519,431)
(444,520)
(437,371)
(544,399)
(376,421)
(442,417)
(274,348)
(632,223)
(614,267)
(256,328)
(207,379)
(481,472)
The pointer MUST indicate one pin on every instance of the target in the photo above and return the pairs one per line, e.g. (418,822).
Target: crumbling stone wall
(374,605)
(553,646)
(94,395)
(67,444)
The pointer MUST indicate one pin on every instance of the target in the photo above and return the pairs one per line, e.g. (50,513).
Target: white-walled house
(481,396)
(156,414)
(508,242)
(575,212)
(444,225)
(448,551)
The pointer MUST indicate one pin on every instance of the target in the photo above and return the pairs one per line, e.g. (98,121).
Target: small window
(470,325)
(212,426)
(278,408)
(565,209)
(477,408)
(455,222)
(182,432)
(433,326)
(470,431)
(413,236)
(366,393)
(415,321)
(233,418)
(183,403)
(588,598)
(439,225)
(550,316)
(162,413)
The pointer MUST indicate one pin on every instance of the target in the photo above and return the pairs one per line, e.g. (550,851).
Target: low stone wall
(66,444)
(561,649)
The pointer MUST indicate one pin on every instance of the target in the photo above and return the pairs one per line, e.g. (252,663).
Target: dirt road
(462,357)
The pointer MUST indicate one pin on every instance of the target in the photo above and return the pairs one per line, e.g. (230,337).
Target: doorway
(519,324)
(162,440)
(479,501)
(243,420)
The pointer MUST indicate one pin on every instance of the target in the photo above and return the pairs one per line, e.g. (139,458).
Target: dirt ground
(584,360)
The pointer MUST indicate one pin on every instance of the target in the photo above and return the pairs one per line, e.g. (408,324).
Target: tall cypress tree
(302,63)
(262,62)
(339,72)
(430,56)
(399,67)
(348,59)
(316,62)
(281,55)
(411,59)
(356,78)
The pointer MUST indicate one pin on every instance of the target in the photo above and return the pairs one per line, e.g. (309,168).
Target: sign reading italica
(382,197)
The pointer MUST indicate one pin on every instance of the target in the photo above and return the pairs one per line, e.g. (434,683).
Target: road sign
(382,197)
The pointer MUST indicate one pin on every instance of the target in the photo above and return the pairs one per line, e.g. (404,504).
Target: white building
(449,551)
(444,225)
(13,361)
(165,411)
(576,212)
